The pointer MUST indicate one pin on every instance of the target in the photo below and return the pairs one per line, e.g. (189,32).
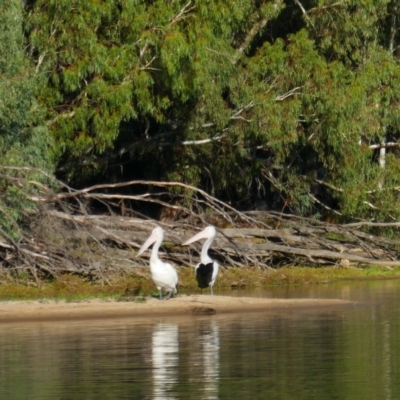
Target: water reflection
(386,368)
(165,358)
(207,353)
(200,360)
(340,354)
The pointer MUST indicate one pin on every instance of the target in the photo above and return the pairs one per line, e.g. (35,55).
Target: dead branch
(182,13)
(63,236)
(318,9)
(258,26)
(303,10)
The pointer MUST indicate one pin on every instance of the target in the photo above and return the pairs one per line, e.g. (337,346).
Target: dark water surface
(344,353)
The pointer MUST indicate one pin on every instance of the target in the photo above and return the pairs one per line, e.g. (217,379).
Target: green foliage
(245,99)
(24,141)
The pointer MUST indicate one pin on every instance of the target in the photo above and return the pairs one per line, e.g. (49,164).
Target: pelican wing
(164,275)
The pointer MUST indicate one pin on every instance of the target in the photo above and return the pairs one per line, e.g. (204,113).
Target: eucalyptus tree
(354,113)
(285,101)
(19,111)
(24,140)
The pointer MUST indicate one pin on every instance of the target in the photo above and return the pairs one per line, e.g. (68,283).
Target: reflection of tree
(386,359)
(280,356)
(165,357)
(371,351)
(200,363)
(73,360)
(345,354)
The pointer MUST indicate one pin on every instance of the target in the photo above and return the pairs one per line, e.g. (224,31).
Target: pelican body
(207,270)
(163,274)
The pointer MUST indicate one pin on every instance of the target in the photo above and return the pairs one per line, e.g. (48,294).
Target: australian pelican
(163,274)
(207,269)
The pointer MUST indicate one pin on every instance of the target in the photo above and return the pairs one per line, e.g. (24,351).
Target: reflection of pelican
(210,343)
(165,360)
(207,358)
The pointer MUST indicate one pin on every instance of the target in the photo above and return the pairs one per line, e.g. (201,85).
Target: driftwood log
(64,236)
(97,245)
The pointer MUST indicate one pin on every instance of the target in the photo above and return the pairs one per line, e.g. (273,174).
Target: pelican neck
(205,258)
(154,251)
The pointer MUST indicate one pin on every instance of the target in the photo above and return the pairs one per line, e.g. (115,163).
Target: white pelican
(207,269)
(163,274)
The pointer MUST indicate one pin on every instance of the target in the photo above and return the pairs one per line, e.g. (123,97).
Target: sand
(49,310)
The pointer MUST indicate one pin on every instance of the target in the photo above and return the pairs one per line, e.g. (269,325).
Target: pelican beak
(150,240)
(201,235)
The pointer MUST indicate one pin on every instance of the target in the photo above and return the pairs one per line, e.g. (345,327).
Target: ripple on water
(350,353)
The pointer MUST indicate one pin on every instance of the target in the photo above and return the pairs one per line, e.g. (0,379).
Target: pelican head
(207,233)
(156,235)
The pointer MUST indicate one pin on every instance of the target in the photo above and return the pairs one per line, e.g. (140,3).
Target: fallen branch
(64,237)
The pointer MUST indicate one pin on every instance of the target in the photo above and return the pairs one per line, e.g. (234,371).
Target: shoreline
(193,305)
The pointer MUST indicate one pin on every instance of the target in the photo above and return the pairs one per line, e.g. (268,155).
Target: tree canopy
(24,138)
(288,104)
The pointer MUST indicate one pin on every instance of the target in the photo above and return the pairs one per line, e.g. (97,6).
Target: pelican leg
(169,294)
(160,294)
(212,293)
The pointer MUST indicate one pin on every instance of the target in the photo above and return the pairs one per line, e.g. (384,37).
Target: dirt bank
(45,310)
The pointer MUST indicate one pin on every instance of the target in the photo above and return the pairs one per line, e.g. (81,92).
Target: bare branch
(338,3)
(303,10)
(193,142)
(324,205)
(63,236)
(288,94)
(329,185)
(384,145)
(258,26)
(182,13)
(228,56)
(40,61)
(147,66)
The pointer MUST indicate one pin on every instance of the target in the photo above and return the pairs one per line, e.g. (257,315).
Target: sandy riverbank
(46,310)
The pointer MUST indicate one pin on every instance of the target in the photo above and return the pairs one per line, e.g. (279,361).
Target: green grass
(135,288)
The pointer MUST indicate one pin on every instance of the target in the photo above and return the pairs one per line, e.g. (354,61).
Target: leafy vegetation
(24,137)
(290,106)
(283,103)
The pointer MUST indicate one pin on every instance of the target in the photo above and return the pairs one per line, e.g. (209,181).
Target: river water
(333,353)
